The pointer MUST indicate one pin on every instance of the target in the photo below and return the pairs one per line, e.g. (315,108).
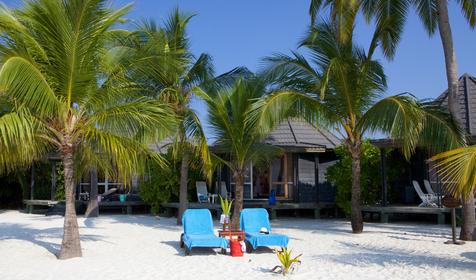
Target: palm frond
(457,170)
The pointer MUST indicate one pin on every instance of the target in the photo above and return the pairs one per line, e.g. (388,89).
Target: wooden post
(32,182)
(53,180)
(383,170)
(93,205)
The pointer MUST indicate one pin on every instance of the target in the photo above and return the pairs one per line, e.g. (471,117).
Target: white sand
(145,247)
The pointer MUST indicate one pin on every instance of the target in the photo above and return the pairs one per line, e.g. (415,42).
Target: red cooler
(235,248)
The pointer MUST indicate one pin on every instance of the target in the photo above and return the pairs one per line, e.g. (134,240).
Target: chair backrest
(202,192)
(223,190)
(428,187)
(418,189)
(197,221)
(253,219)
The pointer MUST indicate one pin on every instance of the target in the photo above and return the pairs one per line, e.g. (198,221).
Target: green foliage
(340,175)
(160,186)
(225,205)
(59,195)
(161,183)
(288,263)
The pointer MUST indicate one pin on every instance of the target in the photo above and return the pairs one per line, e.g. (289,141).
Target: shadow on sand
(36,236)
(383,256)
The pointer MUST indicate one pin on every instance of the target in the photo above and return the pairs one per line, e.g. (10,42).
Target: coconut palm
(434,15)
(340,87)
(164,64)
(69,95)
(238,140)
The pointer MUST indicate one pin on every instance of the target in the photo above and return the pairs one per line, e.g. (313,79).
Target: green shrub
(162,183)
(340,175)
(59,194)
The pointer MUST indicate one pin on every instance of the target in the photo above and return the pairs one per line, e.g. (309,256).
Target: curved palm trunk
(183,196)
(70,246)
(238,205)
(356,211)
(468,228)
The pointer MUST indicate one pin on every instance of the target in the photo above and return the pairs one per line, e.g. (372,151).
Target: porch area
(318,210)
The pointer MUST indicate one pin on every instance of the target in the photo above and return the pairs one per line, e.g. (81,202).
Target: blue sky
(241,32)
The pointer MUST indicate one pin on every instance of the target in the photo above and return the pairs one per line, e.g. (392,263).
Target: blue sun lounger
(198,231)
(251,222)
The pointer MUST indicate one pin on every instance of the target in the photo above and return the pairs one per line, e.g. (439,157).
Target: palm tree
(433,14)
(164,64)
(69,95)
(340,87)
(239,140)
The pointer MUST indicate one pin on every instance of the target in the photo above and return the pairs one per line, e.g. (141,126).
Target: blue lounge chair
(198,231)
(251,222)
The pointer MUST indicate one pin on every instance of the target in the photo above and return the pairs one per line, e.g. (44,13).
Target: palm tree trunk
(356,211)
(468,228)
(70,246)
(238,205)
(93,205)
(183,196)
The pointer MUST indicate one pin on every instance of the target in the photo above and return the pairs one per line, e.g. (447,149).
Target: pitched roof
(466,100)
(298,134)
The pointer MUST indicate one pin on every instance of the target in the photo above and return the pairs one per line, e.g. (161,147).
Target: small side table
(238,234)
(213,197)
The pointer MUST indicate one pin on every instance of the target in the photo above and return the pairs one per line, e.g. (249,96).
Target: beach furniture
(428,187)
(223,191)
(198,231)
(428,200)
(255,223)
(202,192)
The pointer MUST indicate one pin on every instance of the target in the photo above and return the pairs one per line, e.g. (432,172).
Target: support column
(53,180)
(383,171)
(93,205)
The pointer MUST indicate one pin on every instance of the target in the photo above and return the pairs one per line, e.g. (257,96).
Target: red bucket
(235,248)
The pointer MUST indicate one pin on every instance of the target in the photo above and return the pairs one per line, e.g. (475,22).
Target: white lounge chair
(202,192)
(428,187)
(223,191)
(428,200)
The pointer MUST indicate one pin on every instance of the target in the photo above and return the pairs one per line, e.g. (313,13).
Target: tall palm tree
(165,65)
(161,60)
(69,95)
(239,141)
(339,87)
(433,14)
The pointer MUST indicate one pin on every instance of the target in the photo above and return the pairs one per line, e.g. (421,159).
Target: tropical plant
(457,170)
(225,205)
(391,15)
(239,141)
(288,263)
(340,176)
(339,88)
(70,95)
(160,182)
(165,65)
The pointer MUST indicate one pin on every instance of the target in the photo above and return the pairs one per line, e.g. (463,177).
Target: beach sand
(147,247)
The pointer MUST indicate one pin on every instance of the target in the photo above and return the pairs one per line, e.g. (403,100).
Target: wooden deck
(171,207)
(126,206)
(385,211)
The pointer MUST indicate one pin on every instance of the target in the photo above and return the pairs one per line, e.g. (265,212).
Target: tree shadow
(197,251)
(383,256)
(469,255)
(35,236)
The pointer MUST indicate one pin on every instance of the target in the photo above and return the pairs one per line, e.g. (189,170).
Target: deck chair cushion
(198,230)
(251,222)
